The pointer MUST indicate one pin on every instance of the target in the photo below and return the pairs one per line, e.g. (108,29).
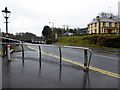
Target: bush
(96,40)
(104,40)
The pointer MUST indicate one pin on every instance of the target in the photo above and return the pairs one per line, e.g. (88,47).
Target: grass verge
(105,41)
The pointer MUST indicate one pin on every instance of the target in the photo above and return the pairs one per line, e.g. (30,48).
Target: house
(67,34)
(82,31)
(37,40)
(104,25)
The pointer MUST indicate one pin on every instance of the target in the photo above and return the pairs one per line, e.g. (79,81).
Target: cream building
(104,25)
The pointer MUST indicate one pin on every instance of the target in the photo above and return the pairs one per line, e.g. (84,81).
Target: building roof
(104,20)
(82,30)
(37,39)
(107,20)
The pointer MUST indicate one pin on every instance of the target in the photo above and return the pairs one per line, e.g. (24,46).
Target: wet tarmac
(31,74)
(0,73)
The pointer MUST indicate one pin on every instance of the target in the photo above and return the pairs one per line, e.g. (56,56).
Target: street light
(55,33)
(6,15)
(52,25)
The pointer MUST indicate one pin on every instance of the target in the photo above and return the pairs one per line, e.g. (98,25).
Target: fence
(54,51)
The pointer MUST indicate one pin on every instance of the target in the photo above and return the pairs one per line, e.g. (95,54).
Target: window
(116,24)
(95,24)
(95,30)
(103,30)
(110,24)
(104,24)
(91,25)
(91,31)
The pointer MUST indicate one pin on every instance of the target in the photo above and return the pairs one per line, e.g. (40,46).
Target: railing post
(22,52)
(40,56)
(85,60)
(60,56)
(8,52)
(89,58)
(3,50)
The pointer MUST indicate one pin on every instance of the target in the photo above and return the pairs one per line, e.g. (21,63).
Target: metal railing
(87,52)
(6,46)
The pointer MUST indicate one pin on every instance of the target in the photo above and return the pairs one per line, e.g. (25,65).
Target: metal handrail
(87,59)
(11,39)
(86,62)
(83,48)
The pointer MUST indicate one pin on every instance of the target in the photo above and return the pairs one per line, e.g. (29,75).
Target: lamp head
(5,12)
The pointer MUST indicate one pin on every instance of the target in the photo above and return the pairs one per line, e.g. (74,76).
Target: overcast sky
(33,15)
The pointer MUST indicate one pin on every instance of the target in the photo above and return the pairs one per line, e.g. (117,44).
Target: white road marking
(107,57)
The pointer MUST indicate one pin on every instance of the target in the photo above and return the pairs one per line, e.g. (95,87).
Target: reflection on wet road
(49,74)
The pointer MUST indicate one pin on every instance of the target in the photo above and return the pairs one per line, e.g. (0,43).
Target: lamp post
(52,25)
(6,15)
(55,33)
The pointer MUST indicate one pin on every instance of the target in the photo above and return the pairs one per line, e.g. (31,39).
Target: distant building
(67,34)
(37,40)
(104,25)
(82,31)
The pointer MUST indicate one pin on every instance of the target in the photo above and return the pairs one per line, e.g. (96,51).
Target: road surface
(103,71)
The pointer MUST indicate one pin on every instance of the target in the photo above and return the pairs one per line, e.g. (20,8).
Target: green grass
(15,48)
(106,41)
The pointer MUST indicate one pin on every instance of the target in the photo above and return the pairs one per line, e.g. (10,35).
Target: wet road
(101,60)
(51,75)
(0,73)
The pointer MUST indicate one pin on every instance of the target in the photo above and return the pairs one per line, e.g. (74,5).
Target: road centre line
(79,64)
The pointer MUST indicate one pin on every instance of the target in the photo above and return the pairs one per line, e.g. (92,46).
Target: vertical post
(22,52)
(40,56)
(8,52)
(85,59)
(60,56)
(60,73)
(60,64)
(86,80)
(3,50)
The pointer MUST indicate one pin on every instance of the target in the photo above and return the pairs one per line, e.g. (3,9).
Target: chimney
(110,17)
(98,18)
